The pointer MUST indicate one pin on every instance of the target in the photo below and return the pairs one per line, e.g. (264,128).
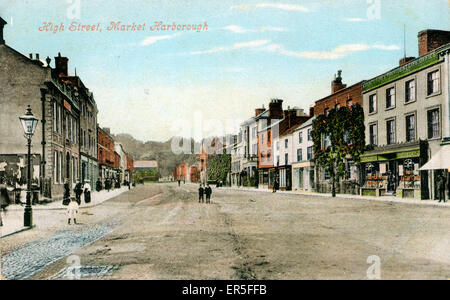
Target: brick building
(106,158)
(340,96)
(267,126)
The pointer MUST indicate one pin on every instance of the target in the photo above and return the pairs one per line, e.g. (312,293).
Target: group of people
(202,191)
(73,204)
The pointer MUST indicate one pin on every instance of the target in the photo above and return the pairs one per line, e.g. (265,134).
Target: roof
(146,164)
(342,90)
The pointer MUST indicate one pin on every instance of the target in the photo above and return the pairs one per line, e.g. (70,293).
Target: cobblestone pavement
(31,258)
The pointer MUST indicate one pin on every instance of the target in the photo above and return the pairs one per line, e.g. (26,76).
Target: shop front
(285,174)
(395,171)
(303,176)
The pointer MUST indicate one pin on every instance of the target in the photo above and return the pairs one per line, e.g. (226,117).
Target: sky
(155,84)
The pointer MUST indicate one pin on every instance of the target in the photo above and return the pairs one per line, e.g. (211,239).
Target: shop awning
(440,161)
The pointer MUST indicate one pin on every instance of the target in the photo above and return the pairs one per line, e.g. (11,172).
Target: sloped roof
(146,164)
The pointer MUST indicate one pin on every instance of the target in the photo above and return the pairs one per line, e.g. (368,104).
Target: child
(72,211)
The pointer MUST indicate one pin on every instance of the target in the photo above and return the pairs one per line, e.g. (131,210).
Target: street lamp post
(29,123)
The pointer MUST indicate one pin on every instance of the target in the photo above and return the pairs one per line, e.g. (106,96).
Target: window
(278,160)
(278,145)
(60,167)
(286,143)
(372,103)
(309,153)
(299,155)
(373,134)
(326,141)
(59,119)
(286,159)
(268,137)
(390,97)
(309,135)
(410,128)
(410,91)
(55,117)
(325,111)
(300,137)
(56,167)
(254,149)
(254,132)
(433,124)
(390,132)
(433,82)
(349,103)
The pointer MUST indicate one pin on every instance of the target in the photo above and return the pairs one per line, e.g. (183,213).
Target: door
(392,176)
(300,179)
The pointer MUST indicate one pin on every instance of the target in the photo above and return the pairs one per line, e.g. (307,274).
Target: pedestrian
(440,184)
(208,192)
(4,198)
(98,185)
(179,182)
(87,192)
(66,197)
(200,194)
(72,211)
(78,191)
(276,186)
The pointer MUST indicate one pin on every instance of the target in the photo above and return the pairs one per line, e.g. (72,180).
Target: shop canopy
(440,161)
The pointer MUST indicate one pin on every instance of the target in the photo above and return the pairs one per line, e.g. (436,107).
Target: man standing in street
(200,194)
(208,192)
(440,184)
(78,191)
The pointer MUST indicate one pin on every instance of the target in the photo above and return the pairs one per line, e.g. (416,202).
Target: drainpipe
(43,143)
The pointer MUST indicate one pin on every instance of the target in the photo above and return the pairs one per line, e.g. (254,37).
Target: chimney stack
(2,25)
(406,60)
(432,39)
(276,109)
(336,84)
(61,66)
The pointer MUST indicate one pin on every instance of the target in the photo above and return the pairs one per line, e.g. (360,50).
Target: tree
(218,167)
(337,137)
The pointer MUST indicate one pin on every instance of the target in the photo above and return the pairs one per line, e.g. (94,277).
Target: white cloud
(153,39)
(236,46)
(336,53)
(292,7)
(237,29)
(354,20)
(289,7)
(240,30)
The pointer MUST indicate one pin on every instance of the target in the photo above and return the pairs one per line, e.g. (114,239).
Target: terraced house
(407,123)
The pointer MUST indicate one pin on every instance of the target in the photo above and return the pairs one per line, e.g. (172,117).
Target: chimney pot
(31,56)
(37,56)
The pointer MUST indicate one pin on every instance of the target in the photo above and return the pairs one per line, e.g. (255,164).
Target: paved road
(165,233)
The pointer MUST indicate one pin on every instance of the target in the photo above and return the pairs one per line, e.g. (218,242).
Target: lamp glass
(29,124)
